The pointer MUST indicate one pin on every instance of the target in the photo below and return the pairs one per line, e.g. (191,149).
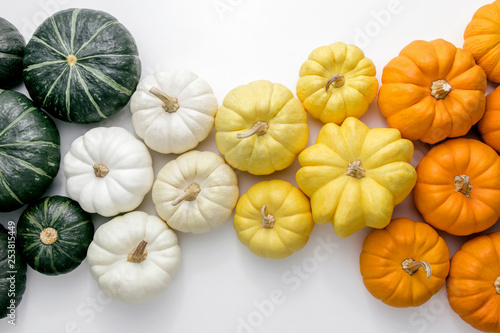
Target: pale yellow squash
(355,175)
(337,81)
(273,219)
(261,127)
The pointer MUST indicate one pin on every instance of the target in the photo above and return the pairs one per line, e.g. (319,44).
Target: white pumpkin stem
(100,170)
(48,236)
(267,220)
(462,185)
(497,285)
(337,80)
(170,104)
(259,128)
(138,254)
(411,266)
(355,169)
(440,89)
(190,194)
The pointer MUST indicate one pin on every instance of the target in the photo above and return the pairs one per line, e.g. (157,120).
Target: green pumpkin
(81,65)
(29,151)
(11,55)
(54,234)
(12,272)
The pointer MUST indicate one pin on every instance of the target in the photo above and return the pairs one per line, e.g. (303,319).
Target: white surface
(221,286)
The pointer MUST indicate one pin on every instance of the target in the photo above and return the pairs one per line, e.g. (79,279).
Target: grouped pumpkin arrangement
(82,66)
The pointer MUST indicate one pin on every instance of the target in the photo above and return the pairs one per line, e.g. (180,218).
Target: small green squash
(12,272)
(29,151)
(81,65)
(54,234)
(11,55)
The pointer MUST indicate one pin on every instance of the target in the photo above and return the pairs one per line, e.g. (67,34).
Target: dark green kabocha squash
(29,151)
(12,272)
(54,235)
(81,65)
(11,55)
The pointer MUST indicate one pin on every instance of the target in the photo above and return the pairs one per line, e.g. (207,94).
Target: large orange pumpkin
(489,125)
(458,186)
(474,282)
(391,259)
(481,39)
(431,91)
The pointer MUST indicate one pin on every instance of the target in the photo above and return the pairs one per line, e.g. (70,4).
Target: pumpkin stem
(170,104)
(267,220)
(411,266)
(259,128)
(138,254)
(190,194)
(355,169)
(497,285)
(462,185)
(71,59)
(48,236)
(440,89)
(337,80)
(100,170)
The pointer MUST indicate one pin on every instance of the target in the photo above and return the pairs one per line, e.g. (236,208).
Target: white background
(221,285)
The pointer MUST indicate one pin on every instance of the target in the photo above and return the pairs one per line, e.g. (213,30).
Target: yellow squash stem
(259,128)
(337,81)
(267,220)
(355,169)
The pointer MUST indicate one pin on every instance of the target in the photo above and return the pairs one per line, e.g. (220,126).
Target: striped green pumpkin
(29,151)
(81,65)
(11,55)
(54,234)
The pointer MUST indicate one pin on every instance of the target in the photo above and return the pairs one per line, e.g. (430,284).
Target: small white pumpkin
(133,257)
(108,171)
(196,192)
(173,110)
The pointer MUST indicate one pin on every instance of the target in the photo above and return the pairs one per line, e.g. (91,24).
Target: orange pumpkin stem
(267,220)
(440,89)
(497,285)
(138,254)
(462,185)
(411,266)
(170,104)
(259,128)
(100,170)
(355,169)
(190,194)
(337,80)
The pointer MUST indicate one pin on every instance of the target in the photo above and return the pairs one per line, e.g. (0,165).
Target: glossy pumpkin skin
(432,91)
(55,254)
(11,55)
(81,65)
(29,151)
(473,282)
(328,175)
(453,207)
(481,39)
(19,266)
(279,122)
(337,81)
(273,219)
(489,125)
(384,254)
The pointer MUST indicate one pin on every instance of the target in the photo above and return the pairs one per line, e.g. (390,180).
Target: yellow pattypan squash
(261,127)
(337,81)
(273,219)
(355,175)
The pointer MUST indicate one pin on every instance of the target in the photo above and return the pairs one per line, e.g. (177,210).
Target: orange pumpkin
(431,91)
(489,125)
(458,186)
(481,39)
(474,283)
(391,259)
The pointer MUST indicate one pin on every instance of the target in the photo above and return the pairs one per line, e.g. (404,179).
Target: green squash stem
(48,236)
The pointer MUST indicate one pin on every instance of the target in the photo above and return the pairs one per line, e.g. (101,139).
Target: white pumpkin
(133,257)
(196,192)
(173,110)
(108,171)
